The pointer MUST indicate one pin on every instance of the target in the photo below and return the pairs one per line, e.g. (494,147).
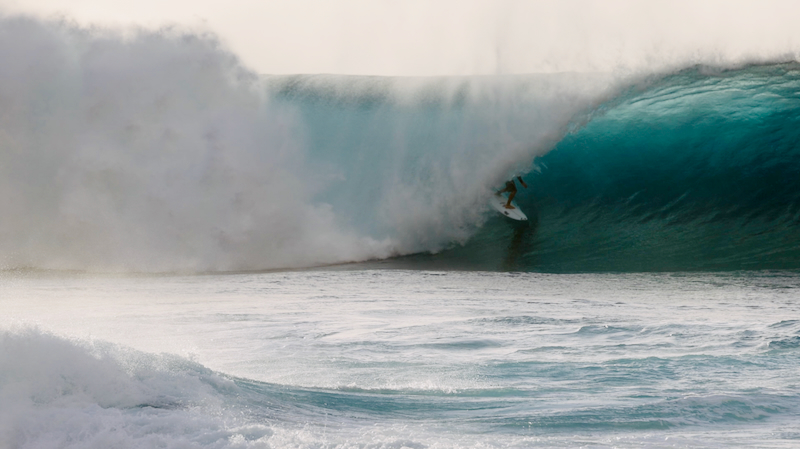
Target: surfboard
(498,202)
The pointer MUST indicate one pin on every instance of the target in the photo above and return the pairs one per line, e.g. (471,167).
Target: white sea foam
(149,152)
(346,359)
(58,393)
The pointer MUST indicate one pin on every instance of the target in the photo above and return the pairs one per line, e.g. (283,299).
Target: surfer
(511,188)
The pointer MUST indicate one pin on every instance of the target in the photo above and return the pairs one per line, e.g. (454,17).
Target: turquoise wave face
(697,171)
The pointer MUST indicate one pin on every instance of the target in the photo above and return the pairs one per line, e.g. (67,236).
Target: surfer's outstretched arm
(519,178)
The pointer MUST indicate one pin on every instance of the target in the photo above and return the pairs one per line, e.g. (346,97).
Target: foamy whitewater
(152,188)
(393,359)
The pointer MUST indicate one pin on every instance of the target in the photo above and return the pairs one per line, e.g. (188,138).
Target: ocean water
(400,359)
(193,255)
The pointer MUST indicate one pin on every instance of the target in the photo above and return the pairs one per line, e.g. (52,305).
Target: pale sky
(459,37)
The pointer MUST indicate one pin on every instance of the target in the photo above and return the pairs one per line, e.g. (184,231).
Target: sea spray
(158,151)
(151,152)
(57,392)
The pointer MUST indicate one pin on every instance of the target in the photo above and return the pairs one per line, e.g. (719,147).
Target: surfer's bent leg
(510,199)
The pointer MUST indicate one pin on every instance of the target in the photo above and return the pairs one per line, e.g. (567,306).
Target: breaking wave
(159,151)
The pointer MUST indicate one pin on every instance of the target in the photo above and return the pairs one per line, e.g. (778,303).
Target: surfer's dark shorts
(511,187)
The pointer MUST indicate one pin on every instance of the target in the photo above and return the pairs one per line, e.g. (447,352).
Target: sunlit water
(371,359)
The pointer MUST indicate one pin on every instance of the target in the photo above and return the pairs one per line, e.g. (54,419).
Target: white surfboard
(498,202)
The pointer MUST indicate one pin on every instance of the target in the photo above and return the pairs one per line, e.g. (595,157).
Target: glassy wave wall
(695,171)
